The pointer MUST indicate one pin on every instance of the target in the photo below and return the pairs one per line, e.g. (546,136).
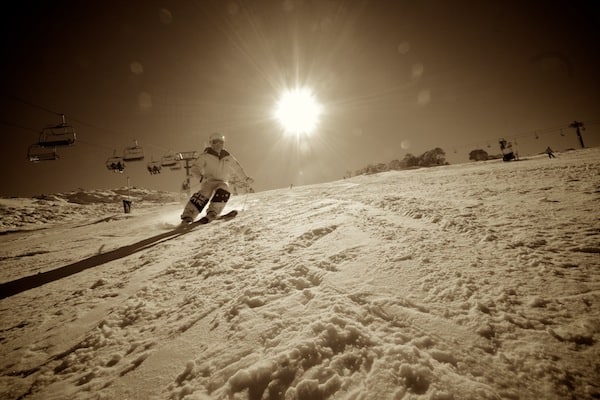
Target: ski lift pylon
(37,153)
(133,153)
(62,134)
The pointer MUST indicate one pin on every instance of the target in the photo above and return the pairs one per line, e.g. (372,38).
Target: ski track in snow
(474,281)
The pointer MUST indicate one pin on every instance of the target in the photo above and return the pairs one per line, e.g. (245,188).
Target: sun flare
(298,111)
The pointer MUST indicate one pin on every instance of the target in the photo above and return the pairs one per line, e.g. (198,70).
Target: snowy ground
(473,281)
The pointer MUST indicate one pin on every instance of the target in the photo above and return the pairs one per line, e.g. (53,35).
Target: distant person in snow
(550,152)
(507,150)
(214,167)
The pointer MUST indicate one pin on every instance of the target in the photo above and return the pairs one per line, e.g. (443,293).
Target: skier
(214,167)
(550,152)
(507,150)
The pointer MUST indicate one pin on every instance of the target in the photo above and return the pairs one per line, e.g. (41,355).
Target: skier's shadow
(11,288)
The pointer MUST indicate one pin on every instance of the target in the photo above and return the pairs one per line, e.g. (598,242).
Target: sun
(298,111)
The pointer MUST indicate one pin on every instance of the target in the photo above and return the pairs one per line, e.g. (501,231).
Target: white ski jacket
(217,167)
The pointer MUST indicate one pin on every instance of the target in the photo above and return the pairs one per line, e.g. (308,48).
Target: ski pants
(214,191)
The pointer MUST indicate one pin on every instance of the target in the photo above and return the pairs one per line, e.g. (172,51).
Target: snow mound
(36,213)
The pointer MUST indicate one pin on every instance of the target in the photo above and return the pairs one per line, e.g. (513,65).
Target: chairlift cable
(532,133)
(94,144)
(37,152)
(79,121)
(34,105)
(19,126)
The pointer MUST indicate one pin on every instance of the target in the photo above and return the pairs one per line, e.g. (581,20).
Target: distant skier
(550,152)
(507,150)
(214,167)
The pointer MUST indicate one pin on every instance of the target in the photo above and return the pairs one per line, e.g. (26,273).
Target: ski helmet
(216,136)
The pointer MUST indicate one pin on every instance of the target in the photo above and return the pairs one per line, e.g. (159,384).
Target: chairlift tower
(188,157)
(577,125)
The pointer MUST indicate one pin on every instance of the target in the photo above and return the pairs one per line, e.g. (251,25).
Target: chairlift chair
(37,153)
(115,164)
(188,155)
(169,160)
(58,135)
(133,153)
(154,167)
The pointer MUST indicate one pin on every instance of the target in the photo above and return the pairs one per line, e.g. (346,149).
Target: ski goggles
(217,141)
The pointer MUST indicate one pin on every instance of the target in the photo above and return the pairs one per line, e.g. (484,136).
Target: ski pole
(244,203)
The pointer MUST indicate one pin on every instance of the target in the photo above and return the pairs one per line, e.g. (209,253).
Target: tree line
(431,158)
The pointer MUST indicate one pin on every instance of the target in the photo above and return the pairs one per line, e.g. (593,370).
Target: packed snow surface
(472,281)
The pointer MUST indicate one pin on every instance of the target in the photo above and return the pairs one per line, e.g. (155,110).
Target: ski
(203,221)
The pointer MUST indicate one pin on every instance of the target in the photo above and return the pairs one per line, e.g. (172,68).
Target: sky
(392,77)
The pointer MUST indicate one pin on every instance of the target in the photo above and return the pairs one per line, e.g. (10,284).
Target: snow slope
(472,281)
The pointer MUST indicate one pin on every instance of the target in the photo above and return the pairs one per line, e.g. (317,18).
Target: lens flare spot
(424,97)
(417,70)
(136,68)
(404,48)
(144,101)
(165,16)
